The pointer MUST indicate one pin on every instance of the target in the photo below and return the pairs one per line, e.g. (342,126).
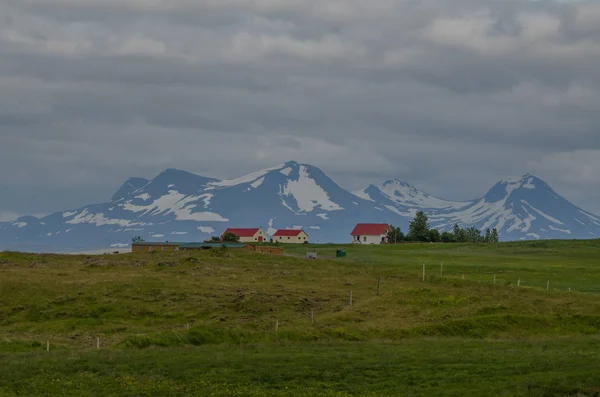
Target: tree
(494,238)
(230,238)
(474,235)
(460,235)
(215,239)
(448,237)
(395,235)
(418,229)
(435,236)
(137,239)
(488,236)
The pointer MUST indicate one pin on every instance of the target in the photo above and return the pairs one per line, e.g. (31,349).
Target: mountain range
(180,206)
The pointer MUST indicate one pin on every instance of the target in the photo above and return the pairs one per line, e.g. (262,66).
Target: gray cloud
(450,96)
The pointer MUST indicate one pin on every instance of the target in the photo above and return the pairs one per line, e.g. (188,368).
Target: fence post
(547,285)
(276,325)
(350,298)
(47,346)
(97,343)
(519,282)
(378,284)
(423,272)
(494,279)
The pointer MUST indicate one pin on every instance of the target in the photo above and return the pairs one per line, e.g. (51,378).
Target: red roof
(370,229)
(288,233)
(242,232)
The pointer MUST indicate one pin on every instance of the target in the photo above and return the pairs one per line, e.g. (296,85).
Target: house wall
(151,248)
(299,239)
(255,238)
(368,239)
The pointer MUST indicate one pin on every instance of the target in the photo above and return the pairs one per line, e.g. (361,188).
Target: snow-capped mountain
(180,206)
(520,208)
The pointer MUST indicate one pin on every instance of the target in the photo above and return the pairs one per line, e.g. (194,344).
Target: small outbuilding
(143,246)
(370,233)
(266,249)
(286,236)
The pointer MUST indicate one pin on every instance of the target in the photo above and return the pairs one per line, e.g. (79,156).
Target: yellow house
(290,237)
(252,235)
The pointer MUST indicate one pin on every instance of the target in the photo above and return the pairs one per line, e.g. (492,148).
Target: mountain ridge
(177,204)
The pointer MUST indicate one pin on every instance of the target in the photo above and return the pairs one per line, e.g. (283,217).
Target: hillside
(180,206)
(224,305)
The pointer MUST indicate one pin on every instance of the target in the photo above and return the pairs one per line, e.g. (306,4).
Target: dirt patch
(168,264)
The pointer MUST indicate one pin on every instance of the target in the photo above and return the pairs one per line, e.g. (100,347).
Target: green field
(204,323)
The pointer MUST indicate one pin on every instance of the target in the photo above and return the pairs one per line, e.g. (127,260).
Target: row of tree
(419,230)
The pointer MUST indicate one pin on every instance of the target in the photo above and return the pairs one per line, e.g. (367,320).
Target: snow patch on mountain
(144,196)
(257,182)
(178,204)
(244,179)
(560,230)
(98,219)
(308,194)
(20,224)
(409,196)
(206,199)
(548,217)
(363,195)
(68,214)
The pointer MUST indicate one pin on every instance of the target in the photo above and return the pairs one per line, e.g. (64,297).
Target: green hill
(204,323)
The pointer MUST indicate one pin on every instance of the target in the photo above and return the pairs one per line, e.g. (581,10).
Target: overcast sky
(449,95)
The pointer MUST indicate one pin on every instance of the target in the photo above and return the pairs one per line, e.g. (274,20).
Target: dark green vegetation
(203,323)
(420,231)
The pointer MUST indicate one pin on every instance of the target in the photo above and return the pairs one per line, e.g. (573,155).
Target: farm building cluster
(251,238)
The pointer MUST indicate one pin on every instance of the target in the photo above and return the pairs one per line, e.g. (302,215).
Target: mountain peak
(129,186)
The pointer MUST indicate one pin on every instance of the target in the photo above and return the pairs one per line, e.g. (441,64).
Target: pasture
(226,322)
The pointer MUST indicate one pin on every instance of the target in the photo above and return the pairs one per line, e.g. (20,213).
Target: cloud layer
(450,96)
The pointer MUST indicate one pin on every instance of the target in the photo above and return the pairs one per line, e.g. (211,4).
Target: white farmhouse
(370,233)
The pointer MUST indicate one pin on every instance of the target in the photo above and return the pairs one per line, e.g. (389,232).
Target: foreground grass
(426,367)
(203,323)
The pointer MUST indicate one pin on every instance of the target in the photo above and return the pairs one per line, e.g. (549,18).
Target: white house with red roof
(286,236)
(370,233)
(248,235)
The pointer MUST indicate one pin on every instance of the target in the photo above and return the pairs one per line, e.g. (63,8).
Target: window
(299,238)
(365,238)
(288,238)
(138,248)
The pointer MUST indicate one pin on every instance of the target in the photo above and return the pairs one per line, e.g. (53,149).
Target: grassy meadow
(233,323)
